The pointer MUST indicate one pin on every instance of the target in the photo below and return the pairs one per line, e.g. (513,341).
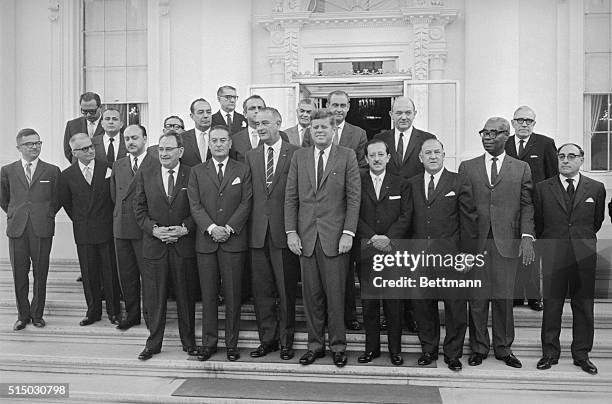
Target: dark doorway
(370,114)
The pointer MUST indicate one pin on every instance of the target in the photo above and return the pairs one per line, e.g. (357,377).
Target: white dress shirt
(340,128)
(427,177)
(517,142)
(407,134)
(326,152)
(565,184)
(381,178)
(489,163)
(140,158)
(106,140)
(92,126)
(166,175)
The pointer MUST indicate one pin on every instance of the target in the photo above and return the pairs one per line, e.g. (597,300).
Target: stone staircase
(65,351)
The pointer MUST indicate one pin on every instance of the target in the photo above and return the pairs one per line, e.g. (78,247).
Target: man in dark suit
(540,153)
(384,215)
(88,123)
(161,207)
(444,221)
(299,133)
(127,233)
(502,190)
(227,115)
(195,140)
(405,142)
(220,197)
(273,277)
(85,196)
(29,194)
(174,123)
(569,211)
(321,214)
(110,147)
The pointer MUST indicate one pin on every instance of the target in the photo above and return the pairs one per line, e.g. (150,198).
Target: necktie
(521,147)
(336,136)
(202,146)
(300,135)
(91,129)
(229,121)
(170,184)
(377,184)
(570,188)
(220,173)
(135,166)
(493,170)
(28,173)
(320,168)
(270,167)
(254,140)
(430,188)
(400,147)
(88,174)
(110,153)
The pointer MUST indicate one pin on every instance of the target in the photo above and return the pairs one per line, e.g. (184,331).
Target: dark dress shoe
(511,360)
(383,324)
(310,356)
(114,320)
(233,354)
(206,353)
(353,325)
(20,324)
(411,324)
(586,365)
(518,302)
(546,362)
(220,300)
(368,356)
(87,321)
(340,359)
(79,279)
(454,364)
(427,358)
(191,350)
(286,353)
(476,359)
(38,322)
(536,305)
(147,353)
(397,359)
(127,324)
(263,350)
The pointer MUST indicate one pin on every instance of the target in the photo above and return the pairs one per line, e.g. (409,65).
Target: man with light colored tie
(195,140)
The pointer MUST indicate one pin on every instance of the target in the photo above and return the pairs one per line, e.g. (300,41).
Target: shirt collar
(517,141)
(107,137)
(406,133)
(224,162)
(140,156)
(563,179)
(326,150)
(500,158)
(427,176)
(199,132)
(91,165)
(276,146)
(33,162)
(175,169)
(381,176)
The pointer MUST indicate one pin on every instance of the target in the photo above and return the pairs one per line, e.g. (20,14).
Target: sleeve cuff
(350,233)
(528,235)
(210,228)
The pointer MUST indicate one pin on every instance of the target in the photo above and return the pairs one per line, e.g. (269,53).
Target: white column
(7,79)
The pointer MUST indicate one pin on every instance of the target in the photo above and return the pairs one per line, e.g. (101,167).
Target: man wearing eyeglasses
(195,140)
(569,211)
(502,189)
(88,123)
(29,194)
(227,115)
(174,123)
(540,153)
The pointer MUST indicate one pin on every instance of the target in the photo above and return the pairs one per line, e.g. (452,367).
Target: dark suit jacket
(268,204)
(77,125)
(506,207)
(89,206)
(352,137)
(122,190)
(218,119)
(332,208)
(294,136)
(449,219)
(411,165)
(226,203)
(118,144)
(241,144)
(191,155)
(540,153)
(39,202)
(151,207)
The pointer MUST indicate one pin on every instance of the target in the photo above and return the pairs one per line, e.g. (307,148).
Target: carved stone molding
(54,9)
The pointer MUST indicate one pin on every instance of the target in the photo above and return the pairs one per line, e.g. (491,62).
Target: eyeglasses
(521,121)
(85,149)
(173,126)
(167,149)
(89,111)
(491,134)
(229,97)
(569,157)
(31,144)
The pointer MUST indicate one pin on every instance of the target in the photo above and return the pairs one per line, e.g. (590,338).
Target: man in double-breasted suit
(162,211)
(569,211)
(540,153)
(384,215)
(227,115)
(29,194)
(502,190)
(110,147)
(321,214)
(89,123)
(220,197)
(273,276)
(85,196)
(127,233)
(299,134)
(444,221)
(195,141)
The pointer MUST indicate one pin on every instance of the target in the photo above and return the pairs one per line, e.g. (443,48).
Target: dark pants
(97,262)
(155,276)
(323,284)
(350,307)
(563,272)
(129,263)
(455,324)
(228,266)
(25,250)
(371,322)
(274,282)
(527,281)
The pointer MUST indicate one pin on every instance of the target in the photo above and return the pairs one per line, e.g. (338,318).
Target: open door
(283,97)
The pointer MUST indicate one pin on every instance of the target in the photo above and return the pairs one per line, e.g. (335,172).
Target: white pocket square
(451,193)
(391,197)
(236,181)
(108,173)
(183,189)
(44,181)
(590,200)
(534,156)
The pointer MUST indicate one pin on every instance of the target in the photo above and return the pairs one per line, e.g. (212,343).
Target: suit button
(220,209)
(428,207)
(428,237)
(570,225)
(377,221)
(221,194)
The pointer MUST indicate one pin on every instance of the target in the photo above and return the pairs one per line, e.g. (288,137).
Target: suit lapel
(331,159)
(482,169)
(310,167)
(528,146)
(21,174)
(414,139)
(260,167)
(369,187)
(227,174)
(97,181)
(160,183)
(211,171)
(506,166)
(280,165)
(385,187)
(442,185)
(557,190)
(345,136)
(179,183)
(40,168)
(580,191)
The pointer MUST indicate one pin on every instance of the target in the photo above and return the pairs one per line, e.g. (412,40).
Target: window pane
(115,49)
(94,43)
(115,84)
(597,33)
(94,80)
(136,14)
(597,6)
(599,151)
(94,15)
(137,84)
(137,48)
(597,72)
(114,15)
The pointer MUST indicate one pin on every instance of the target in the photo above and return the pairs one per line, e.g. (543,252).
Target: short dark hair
(174,117)
(112,109)
(323,113)
(338,92)
(174,134)
(307,101)
(220,90)
(376,141)
(274,113)
(254,96)
(435,139)
(194,102)
(88,96)
(220,127)
(143,130)
(26,132)
(571,144)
